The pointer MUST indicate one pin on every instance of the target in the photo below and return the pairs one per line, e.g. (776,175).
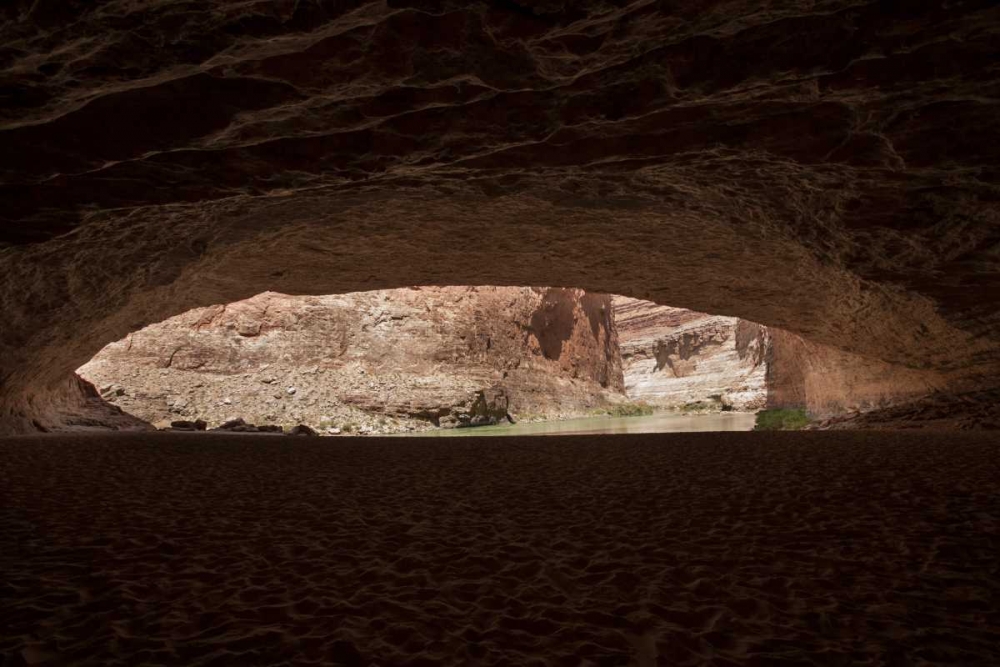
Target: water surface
(664,422)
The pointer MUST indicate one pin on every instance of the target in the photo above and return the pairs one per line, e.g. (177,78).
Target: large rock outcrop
(417,355)
(680,358)
(825,167)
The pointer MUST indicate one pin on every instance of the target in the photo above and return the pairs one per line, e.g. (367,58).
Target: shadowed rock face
(829,168)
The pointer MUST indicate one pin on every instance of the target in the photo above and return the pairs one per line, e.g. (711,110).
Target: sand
(676,549)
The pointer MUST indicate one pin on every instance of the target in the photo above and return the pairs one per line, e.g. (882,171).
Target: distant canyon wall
(674,357)
(405,354)
(680,358)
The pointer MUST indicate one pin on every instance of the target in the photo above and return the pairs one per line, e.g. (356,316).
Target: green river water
(664,422)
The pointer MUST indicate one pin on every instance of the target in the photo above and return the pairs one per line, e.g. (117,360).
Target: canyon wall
(685,359)
(391,360)
(831,382)
(377,361)
(681,358)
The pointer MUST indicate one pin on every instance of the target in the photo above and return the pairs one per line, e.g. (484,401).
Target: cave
(69,296)
(828,170)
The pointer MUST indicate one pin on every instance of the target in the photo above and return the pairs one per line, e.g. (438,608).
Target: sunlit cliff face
(827,169)
(392,360)
(386,360)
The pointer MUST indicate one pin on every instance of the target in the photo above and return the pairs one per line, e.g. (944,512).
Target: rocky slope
(684,359)
(377,361)
(826,167)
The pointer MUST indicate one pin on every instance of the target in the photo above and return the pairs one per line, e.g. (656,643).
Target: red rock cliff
(402,354)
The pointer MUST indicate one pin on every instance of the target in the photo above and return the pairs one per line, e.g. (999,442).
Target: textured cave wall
(71,405)
(828,168)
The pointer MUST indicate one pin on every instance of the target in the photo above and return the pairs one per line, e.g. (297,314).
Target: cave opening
(426,360)
(846,346)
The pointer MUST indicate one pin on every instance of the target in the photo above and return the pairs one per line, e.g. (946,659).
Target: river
(663,422)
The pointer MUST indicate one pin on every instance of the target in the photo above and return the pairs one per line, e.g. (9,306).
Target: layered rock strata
(371,361)
(684,359)
(689,360)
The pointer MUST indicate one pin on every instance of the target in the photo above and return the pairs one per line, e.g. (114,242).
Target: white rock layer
(677,358)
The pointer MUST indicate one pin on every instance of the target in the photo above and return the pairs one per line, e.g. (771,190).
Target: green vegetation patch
(781,420)
(639,409)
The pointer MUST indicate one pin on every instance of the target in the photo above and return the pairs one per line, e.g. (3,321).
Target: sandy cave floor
(712,548)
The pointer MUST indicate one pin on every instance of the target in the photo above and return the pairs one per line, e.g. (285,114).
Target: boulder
(484,408)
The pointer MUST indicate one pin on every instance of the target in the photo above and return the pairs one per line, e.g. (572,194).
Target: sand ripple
(723,549)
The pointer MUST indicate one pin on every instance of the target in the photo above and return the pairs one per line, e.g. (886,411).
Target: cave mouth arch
(811,189)
(122,272)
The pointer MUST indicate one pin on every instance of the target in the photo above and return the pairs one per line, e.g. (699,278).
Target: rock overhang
(828,168)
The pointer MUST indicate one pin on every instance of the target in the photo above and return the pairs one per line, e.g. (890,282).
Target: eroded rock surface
(940,411)
(826,167)
(74,405)
(375,361)
(831,382)
(684,359)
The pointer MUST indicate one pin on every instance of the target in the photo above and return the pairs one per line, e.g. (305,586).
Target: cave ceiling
(828,166)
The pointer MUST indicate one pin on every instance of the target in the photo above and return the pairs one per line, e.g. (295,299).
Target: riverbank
(658,422)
